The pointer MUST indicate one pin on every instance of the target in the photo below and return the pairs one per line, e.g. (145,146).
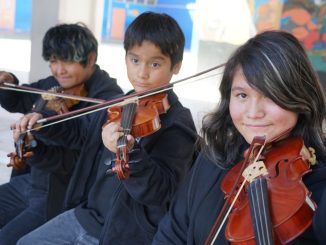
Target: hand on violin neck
(6,77)
(27,122)
(111,132)
(16,134)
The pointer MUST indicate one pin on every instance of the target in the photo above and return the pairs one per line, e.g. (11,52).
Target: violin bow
(25,89)
(120,101)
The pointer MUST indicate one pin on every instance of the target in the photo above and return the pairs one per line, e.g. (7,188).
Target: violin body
(139,120)
(57,104)
(146,120)
(291,208)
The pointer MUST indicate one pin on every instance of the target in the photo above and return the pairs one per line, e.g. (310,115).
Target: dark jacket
(158,165)
(200,199)
(52,164)
(128,212)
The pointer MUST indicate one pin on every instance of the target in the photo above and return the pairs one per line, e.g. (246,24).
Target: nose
(143,71)
(61,68)
(255,109)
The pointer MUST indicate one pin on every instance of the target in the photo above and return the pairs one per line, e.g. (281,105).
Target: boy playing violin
(105,209)
(30,199)
(270,90)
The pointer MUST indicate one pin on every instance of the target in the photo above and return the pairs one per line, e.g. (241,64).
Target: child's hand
(110,135)
(6,77)
(28,121)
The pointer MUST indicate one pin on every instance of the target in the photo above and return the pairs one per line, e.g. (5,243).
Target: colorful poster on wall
(305,19)
(15,16)
(7,14)
(118,14)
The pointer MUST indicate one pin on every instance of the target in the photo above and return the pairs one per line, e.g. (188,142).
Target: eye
(134,60)
(241,95)
(52,61)
(155,65)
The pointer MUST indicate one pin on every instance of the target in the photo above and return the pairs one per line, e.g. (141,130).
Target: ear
(177,68)
(91,59)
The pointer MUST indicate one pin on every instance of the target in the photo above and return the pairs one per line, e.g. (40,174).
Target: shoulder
(177,114)
(205,168)
(45,83)
(102,86)
(317,176)
(205,172)
(203,180)
(315,181)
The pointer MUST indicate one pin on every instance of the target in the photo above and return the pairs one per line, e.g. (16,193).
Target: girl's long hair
(274,63)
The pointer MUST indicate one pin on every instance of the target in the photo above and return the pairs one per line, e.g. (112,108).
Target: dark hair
(161,30)
(275,63)
(69,42)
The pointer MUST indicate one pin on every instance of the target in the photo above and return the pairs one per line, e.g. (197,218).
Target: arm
(14,101)
(158,169)
(173,228)
(72,133)
(159,163)
(69,134)
(53,158)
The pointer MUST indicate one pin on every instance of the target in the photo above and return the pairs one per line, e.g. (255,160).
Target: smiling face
(148,68)
(253,114)
(70,74)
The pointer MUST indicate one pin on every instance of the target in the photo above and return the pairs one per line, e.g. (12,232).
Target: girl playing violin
(268,89)
(29,200)
(104,208)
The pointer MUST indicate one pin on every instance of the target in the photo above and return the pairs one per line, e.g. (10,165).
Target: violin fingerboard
(127,118)
(259,206)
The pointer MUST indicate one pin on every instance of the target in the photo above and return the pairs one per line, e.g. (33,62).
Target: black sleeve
(53,158)
(173,228)
(156,176)
(72,133)
(22,102)
(319,220)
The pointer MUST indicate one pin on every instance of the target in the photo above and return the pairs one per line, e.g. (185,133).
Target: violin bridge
(254,170)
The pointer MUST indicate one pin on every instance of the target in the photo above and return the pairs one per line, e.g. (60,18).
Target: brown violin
(58,104)
(138,119)
(26,142)
(270,203)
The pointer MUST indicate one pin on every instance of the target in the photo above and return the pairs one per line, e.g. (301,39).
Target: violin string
(121,102)
(260,219)
(176,85)
(14,87)
(201,78)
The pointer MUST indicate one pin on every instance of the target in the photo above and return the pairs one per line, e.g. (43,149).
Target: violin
(274,207)
(57,104)
(26,142)
(138,119)
(23,149)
